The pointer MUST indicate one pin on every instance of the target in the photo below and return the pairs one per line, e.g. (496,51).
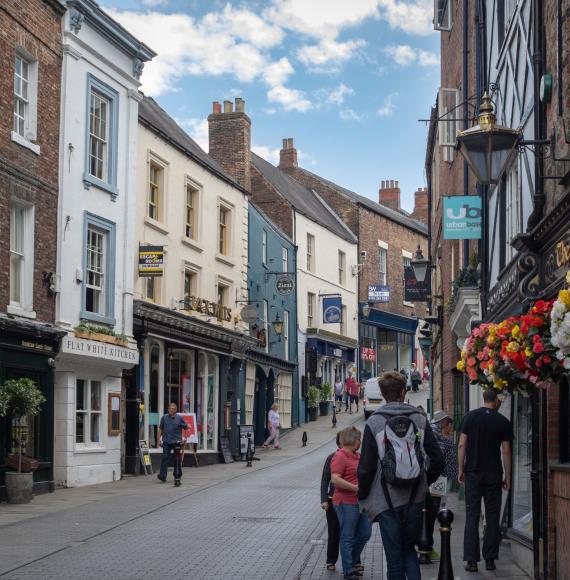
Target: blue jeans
(166,448)
(355,531)
(399,541)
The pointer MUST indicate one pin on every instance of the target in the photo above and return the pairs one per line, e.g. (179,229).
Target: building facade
(30,84)
(96,242)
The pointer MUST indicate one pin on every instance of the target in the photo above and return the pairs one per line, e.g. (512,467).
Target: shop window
(285,394)
(249,392)
(207,401)
(88,415)
(179,384)
(21,257)
(153,403)
(310,253)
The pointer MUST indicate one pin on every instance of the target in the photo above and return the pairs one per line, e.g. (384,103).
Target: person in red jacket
(352,388)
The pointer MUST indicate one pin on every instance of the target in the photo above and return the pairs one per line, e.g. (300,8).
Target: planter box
(312,413)
(324,408)
(29,465)
(99,337)
(19,487)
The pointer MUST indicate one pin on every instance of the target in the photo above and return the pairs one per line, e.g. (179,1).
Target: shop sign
(39,346)
(209,308)
(337,352)
(462,217)
(557,260)
(99,350)
(368,354)
(378,293)
(285,284)
(332,309)
(190,434)
(415,291)
(151,260)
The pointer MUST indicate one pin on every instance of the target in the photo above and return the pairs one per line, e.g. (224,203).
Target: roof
(377,208)
(153,116)
(304,200)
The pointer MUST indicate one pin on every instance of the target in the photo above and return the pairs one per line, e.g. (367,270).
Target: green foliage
(326,392)
(314,396)
(86,327)
(20,398)
(466,278)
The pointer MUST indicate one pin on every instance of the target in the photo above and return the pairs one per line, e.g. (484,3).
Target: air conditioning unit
(363,255)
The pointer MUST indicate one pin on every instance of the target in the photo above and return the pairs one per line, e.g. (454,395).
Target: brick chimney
(288,154)
(389,194)
(420,212)
(230,139)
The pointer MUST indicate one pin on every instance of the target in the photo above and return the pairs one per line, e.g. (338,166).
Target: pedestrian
(333,527)
(405,375)
(484,433)
(442,427)
(338,390)
(426,376)
(391,491)
(415,378)
(170,437)
(349,388)
(355,528)
(274,425)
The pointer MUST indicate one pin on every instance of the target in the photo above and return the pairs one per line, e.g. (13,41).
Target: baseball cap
(440,416)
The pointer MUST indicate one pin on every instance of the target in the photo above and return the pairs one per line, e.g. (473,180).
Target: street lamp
(365,310)
(278,325)
(488,147)
(426,341)
(420,265)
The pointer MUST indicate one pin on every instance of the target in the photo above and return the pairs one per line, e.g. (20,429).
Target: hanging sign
(415,291)
(151,260)
(378,293)
(332,309)
(462,217)
(285,284)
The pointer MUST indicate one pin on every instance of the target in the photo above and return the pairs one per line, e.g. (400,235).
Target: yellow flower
(516,330)
(460,365)
(500,383)
(513,346)
(564,297)
(491,341)
(528,352)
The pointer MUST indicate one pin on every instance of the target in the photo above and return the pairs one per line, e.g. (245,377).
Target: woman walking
(355,529)
(274,425)
(338,389)
(333,527)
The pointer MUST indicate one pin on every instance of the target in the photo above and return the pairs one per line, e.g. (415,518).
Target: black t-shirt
(486,429)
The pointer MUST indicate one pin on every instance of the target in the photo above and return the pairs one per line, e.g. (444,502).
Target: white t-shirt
(273,417)
(338,388)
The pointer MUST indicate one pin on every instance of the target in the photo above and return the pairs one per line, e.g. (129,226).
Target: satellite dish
(249,313)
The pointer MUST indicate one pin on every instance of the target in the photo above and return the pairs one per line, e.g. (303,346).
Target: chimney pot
(240,105)
(288,155)
(228,107)
(216,108)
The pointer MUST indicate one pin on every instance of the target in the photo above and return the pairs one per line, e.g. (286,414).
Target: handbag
(439,487)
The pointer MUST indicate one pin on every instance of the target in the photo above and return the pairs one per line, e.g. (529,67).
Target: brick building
(387,238)
(30,82)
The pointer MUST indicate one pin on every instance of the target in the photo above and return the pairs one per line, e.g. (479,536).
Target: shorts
(338,397)
(354,398)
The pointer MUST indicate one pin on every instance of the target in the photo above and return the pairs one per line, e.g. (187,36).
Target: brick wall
(35,27)
(421,202)
(389,194)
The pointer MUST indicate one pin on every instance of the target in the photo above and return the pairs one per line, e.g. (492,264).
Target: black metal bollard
(424,547)
(304,439)
(334,415)
(249,453)
(445,518)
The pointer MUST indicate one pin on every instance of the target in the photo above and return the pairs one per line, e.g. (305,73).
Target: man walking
(415,378)
(170,437)
(484,433)
(392,491)
(350,387)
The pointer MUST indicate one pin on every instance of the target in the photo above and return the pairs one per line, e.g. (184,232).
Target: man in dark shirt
(484,433)
(170,437)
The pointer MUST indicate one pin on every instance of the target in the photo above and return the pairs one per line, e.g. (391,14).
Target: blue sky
(347,80)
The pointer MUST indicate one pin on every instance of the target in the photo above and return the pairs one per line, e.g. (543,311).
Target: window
(285,259)
(443,15)
(190,286)
(448,121)
(407,259)
(310,252)
(25,101)
(101,163)
(223,294)
(343,321)
(224,224)
(264,247)
(99,275)
(341,268)
(190,227)
(505,12)
(88,415)
(383,265)
(249,392)
(152,286)
(513,210)
(284,396)
(155,185)
(286,333)
(310,309)
(21,256)
(266,324)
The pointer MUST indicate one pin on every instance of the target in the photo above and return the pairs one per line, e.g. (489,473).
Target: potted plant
(20,398)
(313,398)
(326,396)
(100,334)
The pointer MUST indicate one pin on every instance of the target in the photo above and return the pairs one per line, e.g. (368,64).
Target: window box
(100,337)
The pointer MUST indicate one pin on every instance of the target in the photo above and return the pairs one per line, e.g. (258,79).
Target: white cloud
(278,72)
(197,129)
(154,3)
(289,99)
(350,115)
(411,16)
(388,106)
(405,55)
(337,96)
(268,153)
(329,54)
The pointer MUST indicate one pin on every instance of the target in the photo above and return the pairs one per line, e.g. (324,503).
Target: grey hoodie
(370,493)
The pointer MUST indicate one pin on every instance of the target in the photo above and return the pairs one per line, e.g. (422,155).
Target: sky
(348,80)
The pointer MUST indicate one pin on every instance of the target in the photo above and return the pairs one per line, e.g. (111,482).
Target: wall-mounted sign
(151,260)
(249,313)
(99,350)
(368,354)
(557,259)
(378,293)
(209,308)
(337,352)
(415,291)
(462,217)
(332,309)
(285,284)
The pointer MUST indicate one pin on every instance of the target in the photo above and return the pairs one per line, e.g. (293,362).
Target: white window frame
(264,247)
(286,334)
(23,306)
(407,262)
(513,209)
(311,307)
(196,198)
(284,398)
(30,100)
(249,392)
(228,208)
(194,270)
(87,413)
(266,323)
(154,282)
(342,324)
(310,252)
(341,268)
(226,285)
(382,263)
(442,15)
(448,103)
(285,259)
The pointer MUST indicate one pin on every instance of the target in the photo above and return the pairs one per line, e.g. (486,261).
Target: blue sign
(462,216)
(332,309)
(378,293)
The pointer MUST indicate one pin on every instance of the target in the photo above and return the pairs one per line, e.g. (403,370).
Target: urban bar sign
(462,217)
(151,260)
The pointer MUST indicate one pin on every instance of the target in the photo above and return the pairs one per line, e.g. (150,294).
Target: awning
(390,321)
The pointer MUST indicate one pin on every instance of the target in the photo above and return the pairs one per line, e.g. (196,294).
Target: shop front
(27,350)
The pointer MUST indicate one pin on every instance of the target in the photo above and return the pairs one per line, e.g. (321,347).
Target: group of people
(399,466)
(347,393)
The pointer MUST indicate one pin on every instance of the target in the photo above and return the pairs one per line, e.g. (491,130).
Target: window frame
(157,187)
(87,413)
(110,184)
(266,323)
(311,307)
(285,259)
(191,184)
(437,22)
(228,209)
(448,129)
(25,306)
(264,247)
(286,334)
(382,251)
(193,270)
(341,268)
(108,228)
(310,252)
(31,115)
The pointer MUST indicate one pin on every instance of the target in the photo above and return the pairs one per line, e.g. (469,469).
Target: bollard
(248,454)
(334,415)
(304,439)
(445,518)
(424,547)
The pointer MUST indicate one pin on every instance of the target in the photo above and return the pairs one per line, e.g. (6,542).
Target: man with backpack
(400,458)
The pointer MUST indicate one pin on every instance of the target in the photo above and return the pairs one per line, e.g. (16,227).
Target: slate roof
(153,116)
(378,208)
(304,200)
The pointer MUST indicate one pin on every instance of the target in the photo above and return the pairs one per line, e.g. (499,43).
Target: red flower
(538,347)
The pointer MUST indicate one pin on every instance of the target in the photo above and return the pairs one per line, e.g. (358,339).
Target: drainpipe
(465,111)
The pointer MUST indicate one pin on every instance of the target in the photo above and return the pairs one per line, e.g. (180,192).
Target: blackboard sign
(226,452)
(145,458)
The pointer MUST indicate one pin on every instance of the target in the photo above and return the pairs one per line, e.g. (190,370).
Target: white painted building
(96,241)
